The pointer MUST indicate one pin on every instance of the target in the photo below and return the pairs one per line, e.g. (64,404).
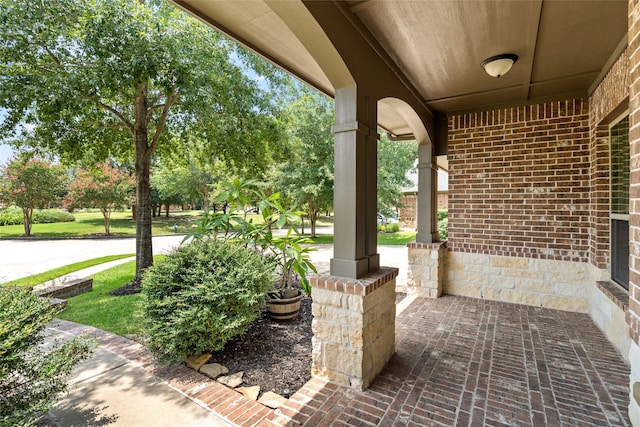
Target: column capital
(355,126)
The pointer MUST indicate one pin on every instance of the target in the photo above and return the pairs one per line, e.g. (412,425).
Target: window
(619,142)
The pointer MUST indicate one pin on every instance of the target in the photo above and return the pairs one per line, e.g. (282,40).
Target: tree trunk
(166,211)
(107,221)
(302,225)
(27,217)
(144,246)
(313,217)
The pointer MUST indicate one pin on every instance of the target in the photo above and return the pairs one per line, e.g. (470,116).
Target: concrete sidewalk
(112,390)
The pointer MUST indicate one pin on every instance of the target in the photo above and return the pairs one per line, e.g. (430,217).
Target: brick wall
(519,181)
(607,102)
(634,190)
(443,200)
(407,213)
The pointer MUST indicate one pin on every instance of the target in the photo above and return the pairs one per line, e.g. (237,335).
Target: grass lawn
(36,279)
(398,238)
(120,315)
(91,222)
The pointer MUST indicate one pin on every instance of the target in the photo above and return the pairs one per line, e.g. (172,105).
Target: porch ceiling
(564,47)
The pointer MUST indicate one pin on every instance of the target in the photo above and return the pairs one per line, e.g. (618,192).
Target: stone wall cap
(362,286)
(420,245)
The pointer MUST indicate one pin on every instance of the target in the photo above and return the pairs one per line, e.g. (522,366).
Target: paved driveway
(19,258)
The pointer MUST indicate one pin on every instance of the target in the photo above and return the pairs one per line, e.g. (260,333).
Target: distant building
(407,210)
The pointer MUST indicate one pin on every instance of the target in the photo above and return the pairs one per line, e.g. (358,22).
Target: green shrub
(443,229)
(49,216)
(202,295)
(30,378)
(13,216)
(393,228)
(442,214)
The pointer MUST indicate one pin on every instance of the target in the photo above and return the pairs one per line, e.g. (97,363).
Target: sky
(5,153)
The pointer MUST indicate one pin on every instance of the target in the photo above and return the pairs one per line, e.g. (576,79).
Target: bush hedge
(202,295)
(443,229)
(13,216)
(31,378)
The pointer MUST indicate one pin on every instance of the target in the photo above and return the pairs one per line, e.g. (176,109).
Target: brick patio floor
(458,362)
(467,362)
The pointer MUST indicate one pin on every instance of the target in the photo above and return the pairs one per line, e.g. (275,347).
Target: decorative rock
(250,392)
(272,400)
(214,370)
(233,380)
(196,362)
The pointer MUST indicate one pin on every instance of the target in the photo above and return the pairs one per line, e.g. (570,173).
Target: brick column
(353,327)
(426,268)
(633,314)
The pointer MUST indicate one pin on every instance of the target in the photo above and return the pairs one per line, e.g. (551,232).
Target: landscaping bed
(276,355)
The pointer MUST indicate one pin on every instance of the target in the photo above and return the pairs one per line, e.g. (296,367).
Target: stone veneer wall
(633,314)
(539,282)
(353,327)
(426,265)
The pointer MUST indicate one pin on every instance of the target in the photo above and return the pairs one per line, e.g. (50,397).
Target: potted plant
(291,259)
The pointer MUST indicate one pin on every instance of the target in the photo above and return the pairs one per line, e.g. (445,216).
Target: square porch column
(355,185)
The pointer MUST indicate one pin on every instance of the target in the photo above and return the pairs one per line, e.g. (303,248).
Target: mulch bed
(276,355)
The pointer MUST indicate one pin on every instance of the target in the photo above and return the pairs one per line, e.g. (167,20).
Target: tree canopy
(101,186)
(395,159)
(99,78)
(307,176)
(30,184)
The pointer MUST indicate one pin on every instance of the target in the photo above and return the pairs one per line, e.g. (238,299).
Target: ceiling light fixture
(499,65)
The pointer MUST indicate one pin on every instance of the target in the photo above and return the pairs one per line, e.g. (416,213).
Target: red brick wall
(519,181)
(407,213)
(443,200)
(634,191)
(607,102)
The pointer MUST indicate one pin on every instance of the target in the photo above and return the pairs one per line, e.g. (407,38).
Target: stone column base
(353,326)
(426,269)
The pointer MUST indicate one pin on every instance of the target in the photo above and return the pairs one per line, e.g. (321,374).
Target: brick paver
(459,362)
(468,362)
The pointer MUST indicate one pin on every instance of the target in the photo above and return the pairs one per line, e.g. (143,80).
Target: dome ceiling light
(499,65)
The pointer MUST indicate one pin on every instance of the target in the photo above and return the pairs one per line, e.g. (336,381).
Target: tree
(307,176)
(186,180)
(31,378)
(30,184)
(102,186)
(395,159)
(134,76)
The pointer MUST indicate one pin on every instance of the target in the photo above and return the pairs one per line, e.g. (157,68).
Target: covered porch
(543,208)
